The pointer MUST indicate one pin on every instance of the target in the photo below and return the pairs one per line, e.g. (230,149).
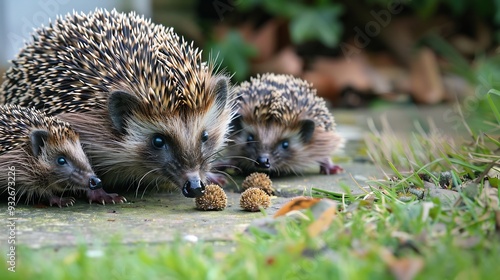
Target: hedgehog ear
(306,130)
(120,106)
(221,89)
(38,138)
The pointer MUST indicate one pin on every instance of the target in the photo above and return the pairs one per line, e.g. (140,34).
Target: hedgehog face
(272,147)
(167,157)
(62,162)
(177,150)
(177,147)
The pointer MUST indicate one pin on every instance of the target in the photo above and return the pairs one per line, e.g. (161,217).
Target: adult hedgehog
(148,110)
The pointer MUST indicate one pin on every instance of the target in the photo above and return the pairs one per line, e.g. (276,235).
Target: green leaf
(497,11)
(494,182)
(245,5)
(317,24)
(457,7)
(493,104)
(288,9)
(425,8)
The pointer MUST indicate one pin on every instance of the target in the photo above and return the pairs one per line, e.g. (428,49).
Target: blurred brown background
(360,54)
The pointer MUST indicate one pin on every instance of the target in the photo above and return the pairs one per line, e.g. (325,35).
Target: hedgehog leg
(100,196)
(327,167)
(61,201)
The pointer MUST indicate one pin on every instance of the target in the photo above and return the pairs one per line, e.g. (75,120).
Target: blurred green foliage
(316,21)
(485,9)
(320,21)
(308,21)
(236,54)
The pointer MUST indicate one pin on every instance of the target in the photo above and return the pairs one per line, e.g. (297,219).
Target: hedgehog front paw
(330,169)
(61,201)
(100,196)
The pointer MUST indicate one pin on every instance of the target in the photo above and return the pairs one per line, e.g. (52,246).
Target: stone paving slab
(158,217)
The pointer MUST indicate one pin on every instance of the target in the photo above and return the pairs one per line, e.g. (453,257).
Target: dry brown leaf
(286,61)
(325,86)
(350,72)
(265,40)
(404,268)
(323,222)
(297,203)
(426,81)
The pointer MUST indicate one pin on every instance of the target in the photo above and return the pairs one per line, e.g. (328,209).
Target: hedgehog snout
(95,183)
(193,187)
(85,179)
(263,162)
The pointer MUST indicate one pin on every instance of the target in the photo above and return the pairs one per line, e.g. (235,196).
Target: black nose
(263,162)
(95,183)
(193,188)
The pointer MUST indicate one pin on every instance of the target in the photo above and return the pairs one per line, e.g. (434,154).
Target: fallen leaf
(426,81)
(297,203)
(406,268)
(403,268)
(323,222)
(346,72)
(286,61)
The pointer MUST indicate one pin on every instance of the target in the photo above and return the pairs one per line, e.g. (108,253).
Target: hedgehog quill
(282,127)
(46,158)
(149,111)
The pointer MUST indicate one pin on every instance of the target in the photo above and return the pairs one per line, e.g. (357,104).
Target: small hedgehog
(214,199)
(44,158)
(254,198)
(282,127)
(258,180)
(149,111)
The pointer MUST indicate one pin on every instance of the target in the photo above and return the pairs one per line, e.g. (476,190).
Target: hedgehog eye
(285,144)
(250,138)
(158,141)
(61,161)
(204,136)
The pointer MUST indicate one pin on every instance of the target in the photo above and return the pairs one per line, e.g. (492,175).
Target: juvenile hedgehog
(282,127)
(42,156)
(149,111)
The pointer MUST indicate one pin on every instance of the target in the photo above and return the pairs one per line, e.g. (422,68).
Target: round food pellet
(258,180)
(254,198)
(214,199)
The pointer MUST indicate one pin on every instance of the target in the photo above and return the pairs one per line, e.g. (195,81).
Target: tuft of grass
(431,156)
(379,239)
(403,152)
